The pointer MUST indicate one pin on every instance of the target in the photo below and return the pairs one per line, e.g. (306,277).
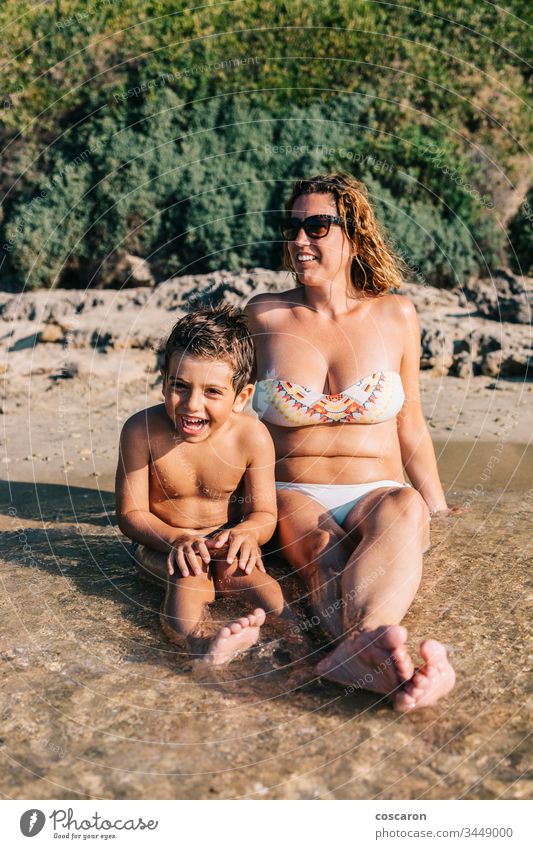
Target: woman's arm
(418,455)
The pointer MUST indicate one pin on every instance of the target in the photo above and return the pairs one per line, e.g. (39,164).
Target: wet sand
(97,704)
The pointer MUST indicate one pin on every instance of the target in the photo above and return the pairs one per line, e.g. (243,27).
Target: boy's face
(200,396)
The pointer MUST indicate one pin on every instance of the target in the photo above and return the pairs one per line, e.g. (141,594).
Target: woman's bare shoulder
(267,307)
(397,307)
(269,299)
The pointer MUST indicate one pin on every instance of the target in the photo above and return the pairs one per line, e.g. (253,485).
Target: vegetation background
(170,131)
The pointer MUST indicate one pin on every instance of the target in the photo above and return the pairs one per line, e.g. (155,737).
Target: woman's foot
(235,638)
(433,680)
(374,660)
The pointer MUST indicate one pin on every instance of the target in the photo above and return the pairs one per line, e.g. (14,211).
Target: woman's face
(320,261)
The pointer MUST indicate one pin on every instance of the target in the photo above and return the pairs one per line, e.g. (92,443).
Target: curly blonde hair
(375,268)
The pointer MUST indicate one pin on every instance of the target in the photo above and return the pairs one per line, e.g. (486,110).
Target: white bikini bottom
(338,498)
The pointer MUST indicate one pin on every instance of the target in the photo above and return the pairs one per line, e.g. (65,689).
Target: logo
(32,822)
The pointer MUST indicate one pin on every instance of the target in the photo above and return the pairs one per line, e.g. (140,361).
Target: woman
(338,387)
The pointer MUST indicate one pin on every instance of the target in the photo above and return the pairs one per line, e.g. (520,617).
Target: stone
(462,365)
(122,270)
(51,332)
(437,351)
(517,364)
(503,297)
(492,363)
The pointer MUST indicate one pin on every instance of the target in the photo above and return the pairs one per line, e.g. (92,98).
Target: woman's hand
(445,512)
(241,544)
(188,556)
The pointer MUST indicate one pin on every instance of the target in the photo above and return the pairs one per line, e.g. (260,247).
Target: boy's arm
(259,508)
(131,490)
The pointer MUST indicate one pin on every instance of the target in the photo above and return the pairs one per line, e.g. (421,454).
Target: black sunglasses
(316,226)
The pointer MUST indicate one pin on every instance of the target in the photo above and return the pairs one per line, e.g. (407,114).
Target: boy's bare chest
(202,470)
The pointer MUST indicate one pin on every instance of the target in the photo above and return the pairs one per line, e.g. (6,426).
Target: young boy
(181,465)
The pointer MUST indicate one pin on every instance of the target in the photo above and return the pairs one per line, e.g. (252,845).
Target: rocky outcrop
(459,337)
(120,271)
(503,297)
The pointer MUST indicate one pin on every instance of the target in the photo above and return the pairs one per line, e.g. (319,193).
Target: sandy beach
(97,704)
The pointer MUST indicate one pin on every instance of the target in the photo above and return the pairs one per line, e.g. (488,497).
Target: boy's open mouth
(192,424)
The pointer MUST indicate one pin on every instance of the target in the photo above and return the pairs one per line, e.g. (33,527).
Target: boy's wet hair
(214,333)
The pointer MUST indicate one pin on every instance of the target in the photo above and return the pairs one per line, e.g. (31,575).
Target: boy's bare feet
(235,638)
(430,682)
(374,660)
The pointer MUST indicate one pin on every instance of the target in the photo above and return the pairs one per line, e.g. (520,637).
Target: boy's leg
(265,592)
(183,610)
(255,589)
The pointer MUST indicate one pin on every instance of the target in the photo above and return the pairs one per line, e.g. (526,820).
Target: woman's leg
(318,549)
(390,528)
(391,531)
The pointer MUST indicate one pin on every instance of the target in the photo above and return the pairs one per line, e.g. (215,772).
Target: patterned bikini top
(370,400)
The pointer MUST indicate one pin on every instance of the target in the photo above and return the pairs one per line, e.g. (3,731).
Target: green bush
(199,187)
(521,237)
(157,128)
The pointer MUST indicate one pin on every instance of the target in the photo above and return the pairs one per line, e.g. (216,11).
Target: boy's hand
(241,544)
(189,557)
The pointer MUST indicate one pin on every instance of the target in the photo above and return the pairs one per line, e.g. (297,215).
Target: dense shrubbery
(521,236)
(173,133)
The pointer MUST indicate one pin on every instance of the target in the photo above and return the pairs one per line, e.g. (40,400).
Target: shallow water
(96,703)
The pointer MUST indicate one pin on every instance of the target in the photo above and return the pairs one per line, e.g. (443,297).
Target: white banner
(328,824)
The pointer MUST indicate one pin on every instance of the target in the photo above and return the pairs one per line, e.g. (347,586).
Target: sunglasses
(316,226)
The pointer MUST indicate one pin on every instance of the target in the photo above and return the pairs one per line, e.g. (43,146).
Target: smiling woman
(346,420)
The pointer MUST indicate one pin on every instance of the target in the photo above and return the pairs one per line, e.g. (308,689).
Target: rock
(504,297)
(122,270)
(51,332)
(456,339)
(517,364)
(66,372)
(462,365)
(487,342)
(492,363)
(437,351)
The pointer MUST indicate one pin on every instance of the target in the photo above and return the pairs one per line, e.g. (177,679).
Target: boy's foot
(374,660)
(433,680)
(235,638)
